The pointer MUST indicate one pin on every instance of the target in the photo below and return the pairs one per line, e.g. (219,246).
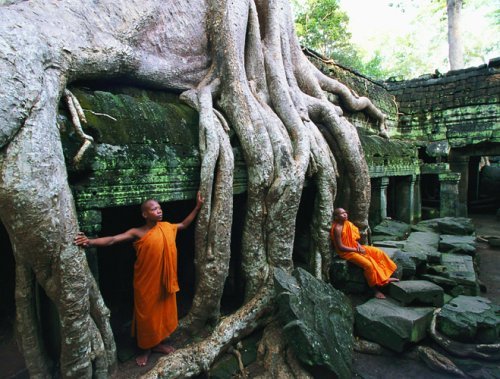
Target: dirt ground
(390,366)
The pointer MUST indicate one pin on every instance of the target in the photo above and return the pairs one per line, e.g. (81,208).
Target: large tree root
(245,69)
(197,358)
(277,358)
(460,349)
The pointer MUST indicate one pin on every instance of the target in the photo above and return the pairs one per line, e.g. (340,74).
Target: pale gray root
(28,331)
(41,226)
(214,221)
(100,316)
(369,347)
(326,184)
(349,154)
(438,362)
(235,350)
(350,100)
(460,349)
(238,104)
(197,357)
(290,165)
(277,357)
(251,48)
(77,115)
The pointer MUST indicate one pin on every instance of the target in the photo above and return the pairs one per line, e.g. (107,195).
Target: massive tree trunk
(240,66)
(455,46)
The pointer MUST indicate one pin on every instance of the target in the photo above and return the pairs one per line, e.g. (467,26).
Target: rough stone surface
(390,230)
(405,263)
(455,225)
(417,292)
(391,325)
(347,276)
(460,268)
(424,242)
(470,319)
(317,321)
(457,244)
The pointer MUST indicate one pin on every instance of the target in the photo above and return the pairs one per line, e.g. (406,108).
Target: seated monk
(377,266)
(155,276)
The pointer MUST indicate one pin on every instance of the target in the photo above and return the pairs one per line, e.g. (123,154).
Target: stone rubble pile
(437,266)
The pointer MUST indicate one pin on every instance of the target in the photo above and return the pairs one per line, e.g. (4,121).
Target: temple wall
(146,142)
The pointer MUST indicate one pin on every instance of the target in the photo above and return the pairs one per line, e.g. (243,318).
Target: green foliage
(322,26)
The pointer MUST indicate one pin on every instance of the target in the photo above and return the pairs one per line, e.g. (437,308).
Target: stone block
(424,243)
(460,268)
(406,264)
(347,276)
(390,230)
(457,244)
(390,324)
(417,292)
(471,319)
(317,321)
(455,225)
(389,244)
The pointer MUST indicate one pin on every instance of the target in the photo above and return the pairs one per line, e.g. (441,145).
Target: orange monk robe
(377,266)
(155,285)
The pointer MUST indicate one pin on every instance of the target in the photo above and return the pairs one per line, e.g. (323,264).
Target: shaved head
(145,204)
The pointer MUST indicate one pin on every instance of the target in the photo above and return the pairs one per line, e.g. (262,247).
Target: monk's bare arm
(337,235)
(82,240)
(190,217)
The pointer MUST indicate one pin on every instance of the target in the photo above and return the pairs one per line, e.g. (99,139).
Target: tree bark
(455,46)
(239,64)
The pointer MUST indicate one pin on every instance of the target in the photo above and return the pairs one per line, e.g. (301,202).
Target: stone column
(417,200)
(378,204)
(405,198)
(448,195)
(460,164)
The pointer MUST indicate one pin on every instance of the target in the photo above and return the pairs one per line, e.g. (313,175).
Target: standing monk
(377,266)
(155,276)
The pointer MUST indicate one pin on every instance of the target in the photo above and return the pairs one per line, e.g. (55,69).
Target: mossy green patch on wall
(145,145)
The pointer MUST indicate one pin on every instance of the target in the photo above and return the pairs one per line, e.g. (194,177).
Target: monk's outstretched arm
(190,217)
(82,240)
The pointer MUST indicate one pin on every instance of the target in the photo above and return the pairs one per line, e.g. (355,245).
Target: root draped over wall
(239,64)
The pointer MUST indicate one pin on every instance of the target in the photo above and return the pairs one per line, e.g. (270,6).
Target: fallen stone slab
(424,243)
(460,268)
(457,244)
(317,321)
(389,244)
(390,230)
(347,277)
(461,226)
(406,265)
(391,325)
(417,292)
(447,225)
(470,319)
(446,283)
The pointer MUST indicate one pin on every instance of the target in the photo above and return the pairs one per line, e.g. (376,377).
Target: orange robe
(155,285)
(377,266)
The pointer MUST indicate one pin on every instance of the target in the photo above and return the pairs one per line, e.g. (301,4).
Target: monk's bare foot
(164,349)
(379,295)
(142,359)
(392,280)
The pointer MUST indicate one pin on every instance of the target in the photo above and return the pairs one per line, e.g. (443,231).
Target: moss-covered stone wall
(461,107)
(146,141)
